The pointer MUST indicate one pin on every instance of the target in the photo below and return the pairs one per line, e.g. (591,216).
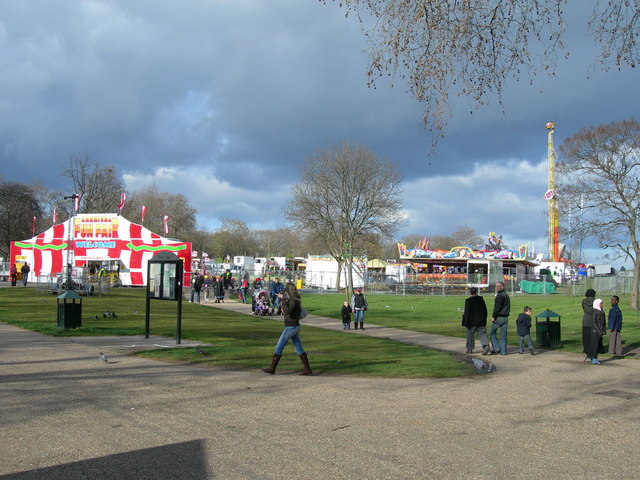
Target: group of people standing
(13,274)
(200,284)
(474,319)
(594,327)
(357,306)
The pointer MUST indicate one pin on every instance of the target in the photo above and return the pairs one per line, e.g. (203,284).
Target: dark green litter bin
(69,311)
(548,331)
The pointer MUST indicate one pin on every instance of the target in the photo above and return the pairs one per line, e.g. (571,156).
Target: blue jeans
(358,316)
(522,339)
(293,334)
(500,323)
(482,335)
(195,293)
(243,293)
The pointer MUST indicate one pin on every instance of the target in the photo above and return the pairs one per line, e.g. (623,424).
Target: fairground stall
(96,243)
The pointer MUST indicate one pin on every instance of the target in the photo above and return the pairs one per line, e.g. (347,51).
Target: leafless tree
(473,48)
(599,172)
(345,193)
(98,187)
(18,206)
(182,216)
(465,235)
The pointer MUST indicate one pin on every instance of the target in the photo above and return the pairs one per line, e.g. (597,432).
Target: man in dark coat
(500,319)
(474,319)
(587,319)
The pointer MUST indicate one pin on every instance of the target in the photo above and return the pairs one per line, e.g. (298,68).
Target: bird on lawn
(95,317)
(199,349)
(113,315)
(103,358)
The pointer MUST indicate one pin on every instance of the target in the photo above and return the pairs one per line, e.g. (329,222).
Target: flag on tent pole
(123,198)
(142,213)
(33,226)
(166,224)
(55,215)
(76,202)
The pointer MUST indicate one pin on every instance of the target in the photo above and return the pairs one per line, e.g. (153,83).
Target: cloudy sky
(222,101)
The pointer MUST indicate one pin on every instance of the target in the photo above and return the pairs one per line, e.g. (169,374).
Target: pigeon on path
(103,358)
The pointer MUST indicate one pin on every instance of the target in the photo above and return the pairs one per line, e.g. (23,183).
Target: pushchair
(262,302)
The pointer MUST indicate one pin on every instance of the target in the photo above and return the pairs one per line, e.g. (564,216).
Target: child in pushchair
(262,302)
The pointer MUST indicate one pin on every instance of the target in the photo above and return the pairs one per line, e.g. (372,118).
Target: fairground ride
(550,196)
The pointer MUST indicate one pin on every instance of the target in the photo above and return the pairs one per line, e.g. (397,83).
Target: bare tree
(345,193)
(98,187)
(18,206)
(238,238)
(472,49)
(465,235)
(599,172)
(182,216)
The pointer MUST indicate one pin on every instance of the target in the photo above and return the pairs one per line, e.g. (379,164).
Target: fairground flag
(142,213)
(33,226)
(166,225)
(76,202)
(123,198)
(55,215)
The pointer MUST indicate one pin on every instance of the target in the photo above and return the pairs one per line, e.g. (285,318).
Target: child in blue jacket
(523,325)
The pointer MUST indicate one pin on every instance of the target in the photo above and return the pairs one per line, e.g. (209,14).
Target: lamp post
(69,282)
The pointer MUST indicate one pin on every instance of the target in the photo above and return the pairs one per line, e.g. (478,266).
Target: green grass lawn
(236,340)
(443,315)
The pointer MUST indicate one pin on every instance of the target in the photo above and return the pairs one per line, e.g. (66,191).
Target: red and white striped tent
(98,238)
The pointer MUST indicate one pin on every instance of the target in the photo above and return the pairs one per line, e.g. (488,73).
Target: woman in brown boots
(291,309)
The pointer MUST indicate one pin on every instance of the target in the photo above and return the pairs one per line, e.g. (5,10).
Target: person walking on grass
(474,319)
(358,306)
(292,310)
(500,319)
(523,326)
(615,325)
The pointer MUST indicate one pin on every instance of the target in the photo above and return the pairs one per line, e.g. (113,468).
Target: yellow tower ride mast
(550,196)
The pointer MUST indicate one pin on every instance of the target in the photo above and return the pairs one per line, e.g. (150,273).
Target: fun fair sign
(99,238)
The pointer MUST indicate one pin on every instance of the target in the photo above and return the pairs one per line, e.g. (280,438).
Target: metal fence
(80,281)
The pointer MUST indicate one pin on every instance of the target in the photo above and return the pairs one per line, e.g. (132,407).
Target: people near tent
(25,273)
(13,274)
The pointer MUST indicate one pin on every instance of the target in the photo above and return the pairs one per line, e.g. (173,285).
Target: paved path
(67,415)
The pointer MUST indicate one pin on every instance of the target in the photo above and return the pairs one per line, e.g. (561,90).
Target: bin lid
(548,314)
(69,295)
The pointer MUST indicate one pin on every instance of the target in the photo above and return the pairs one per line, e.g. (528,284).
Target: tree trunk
(339,275)
(635,283)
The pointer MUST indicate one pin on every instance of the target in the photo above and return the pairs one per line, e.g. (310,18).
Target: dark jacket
(218,288)
(523,324)
(598,322)
(587,309)
(275,289)
(501,305)
(359,302)
(291,311)
(346,314)
(475,312)
(615,318)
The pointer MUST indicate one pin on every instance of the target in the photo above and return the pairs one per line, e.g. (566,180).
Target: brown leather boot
(274,363)
(305,364)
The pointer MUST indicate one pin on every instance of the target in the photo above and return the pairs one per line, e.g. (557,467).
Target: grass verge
(233,340)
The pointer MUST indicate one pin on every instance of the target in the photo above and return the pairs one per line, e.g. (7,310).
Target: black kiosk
(164,282)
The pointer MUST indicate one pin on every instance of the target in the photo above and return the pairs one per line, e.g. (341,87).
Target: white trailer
(322,272)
